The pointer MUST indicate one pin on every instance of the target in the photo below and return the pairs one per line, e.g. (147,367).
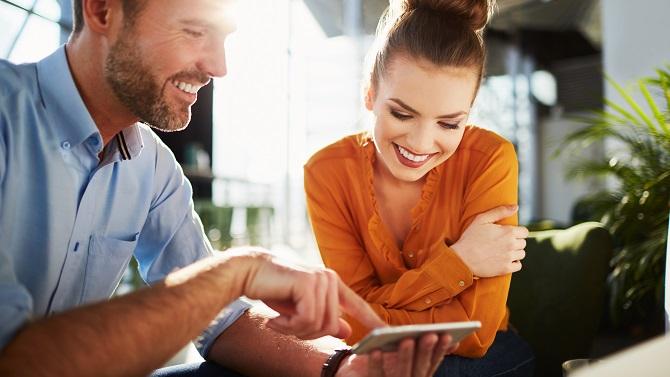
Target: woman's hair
(442,32)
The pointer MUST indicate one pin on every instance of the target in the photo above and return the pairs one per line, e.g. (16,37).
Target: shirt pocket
(105,265)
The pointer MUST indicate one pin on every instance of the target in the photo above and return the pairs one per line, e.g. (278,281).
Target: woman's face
(420,112)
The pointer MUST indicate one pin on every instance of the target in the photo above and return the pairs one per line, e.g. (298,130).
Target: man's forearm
(129,335)
(252,349)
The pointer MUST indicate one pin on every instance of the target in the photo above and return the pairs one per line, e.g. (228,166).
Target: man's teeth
(186,87)
(412,157)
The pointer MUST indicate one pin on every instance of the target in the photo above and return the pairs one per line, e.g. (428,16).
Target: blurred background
(294,85)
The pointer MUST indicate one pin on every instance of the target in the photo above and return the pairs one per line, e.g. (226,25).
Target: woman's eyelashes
(400,116)
(404,116)
(449,126)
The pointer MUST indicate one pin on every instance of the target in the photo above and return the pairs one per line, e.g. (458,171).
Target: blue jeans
(508,356)
(205,369)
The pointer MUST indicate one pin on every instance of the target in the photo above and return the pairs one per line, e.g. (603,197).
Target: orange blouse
(425,281)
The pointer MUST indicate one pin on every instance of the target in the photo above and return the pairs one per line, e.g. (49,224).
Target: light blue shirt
(70,222)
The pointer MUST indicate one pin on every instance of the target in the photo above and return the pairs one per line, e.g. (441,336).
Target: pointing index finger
(356,307)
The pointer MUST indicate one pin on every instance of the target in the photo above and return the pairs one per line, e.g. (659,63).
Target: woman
(419,217)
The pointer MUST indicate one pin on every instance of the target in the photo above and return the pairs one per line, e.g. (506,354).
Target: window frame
(64,26)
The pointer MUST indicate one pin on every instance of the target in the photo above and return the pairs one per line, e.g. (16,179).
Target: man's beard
(137,88)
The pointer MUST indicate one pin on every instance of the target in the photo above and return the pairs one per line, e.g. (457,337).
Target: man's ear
(97,15)
(369,98)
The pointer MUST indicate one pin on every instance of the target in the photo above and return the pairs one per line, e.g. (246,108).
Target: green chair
(557,300)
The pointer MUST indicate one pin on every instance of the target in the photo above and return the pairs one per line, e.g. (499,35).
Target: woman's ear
(369,98)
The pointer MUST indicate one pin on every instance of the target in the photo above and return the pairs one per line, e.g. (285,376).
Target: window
(32,29)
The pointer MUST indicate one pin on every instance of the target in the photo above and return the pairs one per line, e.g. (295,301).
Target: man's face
(171,49)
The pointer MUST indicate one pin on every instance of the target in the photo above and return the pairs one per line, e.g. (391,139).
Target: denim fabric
(509,356)
(205,369)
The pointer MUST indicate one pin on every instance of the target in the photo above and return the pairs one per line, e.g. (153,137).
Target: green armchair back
(557,300)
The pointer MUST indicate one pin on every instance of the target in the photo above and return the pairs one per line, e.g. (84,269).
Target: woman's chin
(406,175)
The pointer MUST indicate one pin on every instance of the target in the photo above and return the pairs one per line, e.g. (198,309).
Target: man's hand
(489,249)
(412,359)
(309,300)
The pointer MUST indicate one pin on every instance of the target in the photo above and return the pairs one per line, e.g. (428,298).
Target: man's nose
(214,62)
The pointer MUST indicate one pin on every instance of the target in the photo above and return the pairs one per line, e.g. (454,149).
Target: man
(83,187)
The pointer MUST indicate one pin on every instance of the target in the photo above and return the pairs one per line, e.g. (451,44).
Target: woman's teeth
(411,156)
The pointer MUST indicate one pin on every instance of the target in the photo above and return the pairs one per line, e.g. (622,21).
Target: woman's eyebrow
(407,107)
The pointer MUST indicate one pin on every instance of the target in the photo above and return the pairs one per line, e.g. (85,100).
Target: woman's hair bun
(475,13)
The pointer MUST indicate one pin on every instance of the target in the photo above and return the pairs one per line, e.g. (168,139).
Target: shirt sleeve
(16,303)
(173,237)
(343,252)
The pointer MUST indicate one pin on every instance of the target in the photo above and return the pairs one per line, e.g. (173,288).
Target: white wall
(636,38)
(558,194)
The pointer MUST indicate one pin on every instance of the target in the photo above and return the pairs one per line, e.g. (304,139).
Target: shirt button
(428,301)
(461,283)
(65,145)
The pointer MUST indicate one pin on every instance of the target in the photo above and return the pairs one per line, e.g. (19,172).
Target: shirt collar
(62,101)
(66,108)
(129,142)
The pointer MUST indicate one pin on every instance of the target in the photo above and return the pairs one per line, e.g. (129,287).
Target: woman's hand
(489,249)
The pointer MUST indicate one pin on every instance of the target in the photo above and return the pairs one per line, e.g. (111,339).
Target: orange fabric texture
(425,281)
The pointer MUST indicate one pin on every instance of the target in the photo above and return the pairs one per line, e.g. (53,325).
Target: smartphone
(387,338)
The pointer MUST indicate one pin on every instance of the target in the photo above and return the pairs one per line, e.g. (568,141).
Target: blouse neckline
(376,224)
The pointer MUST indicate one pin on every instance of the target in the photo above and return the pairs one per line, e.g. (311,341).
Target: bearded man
(85,185)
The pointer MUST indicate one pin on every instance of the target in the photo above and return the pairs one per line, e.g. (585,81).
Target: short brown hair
(130,10)
(442,32)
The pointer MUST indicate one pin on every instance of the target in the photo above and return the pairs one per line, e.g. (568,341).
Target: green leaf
(652,105)
(631,102)
(623,112)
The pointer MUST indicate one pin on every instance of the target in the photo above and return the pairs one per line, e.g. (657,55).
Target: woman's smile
(410,159)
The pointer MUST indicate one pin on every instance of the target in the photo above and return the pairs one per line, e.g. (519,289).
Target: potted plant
(635,207)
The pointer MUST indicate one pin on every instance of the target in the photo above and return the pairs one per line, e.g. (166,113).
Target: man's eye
(194,33)
(400,116)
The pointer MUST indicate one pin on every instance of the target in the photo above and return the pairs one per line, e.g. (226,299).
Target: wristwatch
(333,362)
